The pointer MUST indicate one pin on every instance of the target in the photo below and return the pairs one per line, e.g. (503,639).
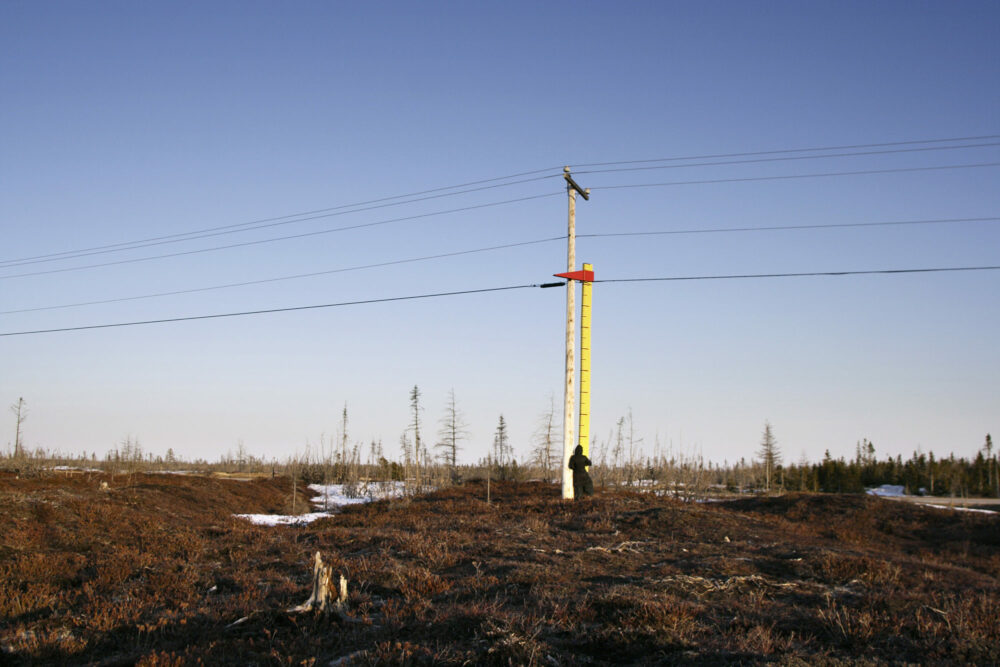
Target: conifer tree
(415,427)
(992,472)
(415,419)
(501,444)
(453,430)
(544,457)
(769,454)
(20,414)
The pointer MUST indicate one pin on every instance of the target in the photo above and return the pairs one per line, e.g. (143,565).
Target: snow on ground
(282,519)
(894,492)
(331,497)
(336,495)
(887,491)
(957,509)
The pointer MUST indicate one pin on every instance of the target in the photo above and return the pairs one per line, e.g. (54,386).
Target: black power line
(716,230)
(291,277)
(791,176)
(496,289)
(275,310)
(276,238)
(832,225)
(792,150)
(786,158)
(313,214)
(244,227)
(800,275)
(467,208)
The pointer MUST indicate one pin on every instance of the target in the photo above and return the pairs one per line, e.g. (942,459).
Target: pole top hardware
(582,276)
(584,192)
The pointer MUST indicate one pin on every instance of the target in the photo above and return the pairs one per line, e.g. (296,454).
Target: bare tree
(20,411)
(454,429)
(544,457)
(803,472)
(634,447)
(501,444)
(415,427)
(991,470)
(769,454)
(343,435)
(406,448)
(618,449)
(241,455)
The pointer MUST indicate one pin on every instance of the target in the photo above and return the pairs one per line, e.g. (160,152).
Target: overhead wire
(802,274)
(786,158)
(748,179)
(278,238)
(272,310)
(447,191)
(313,274)
(209,233)
(312,214)
(492,289)
(714,230)
(831,225)
(793,150)
(466,208)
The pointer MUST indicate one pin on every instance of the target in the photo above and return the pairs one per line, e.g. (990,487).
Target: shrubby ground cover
(156,570)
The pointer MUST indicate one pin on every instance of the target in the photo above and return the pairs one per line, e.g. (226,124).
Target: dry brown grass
(155,571)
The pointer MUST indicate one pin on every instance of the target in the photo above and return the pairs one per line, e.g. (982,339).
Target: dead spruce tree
(503,452)
(415,427)
(543,455)
(454,430)
(770,455)
(20,414)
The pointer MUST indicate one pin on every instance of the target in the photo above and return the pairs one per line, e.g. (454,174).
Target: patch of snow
(643,482)
(282,519)
(331,496)
(957,509)
(887,491)
(337,495)
(73,468)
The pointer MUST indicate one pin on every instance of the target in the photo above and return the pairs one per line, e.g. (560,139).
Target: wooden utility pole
(570,395)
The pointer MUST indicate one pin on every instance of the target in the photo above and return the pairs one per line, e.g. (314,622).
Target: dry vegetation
(154,570)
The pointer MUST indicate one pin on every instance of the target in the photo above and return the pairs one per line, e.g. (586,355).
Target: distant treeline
(684,476)
(920,474)
(424,461)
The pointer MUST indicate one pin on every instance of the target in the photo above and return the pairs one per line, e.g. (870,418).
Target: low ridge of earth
(156,570)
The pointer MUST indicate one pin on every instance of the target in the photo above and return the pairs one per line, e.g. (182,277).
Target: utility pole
(570,395)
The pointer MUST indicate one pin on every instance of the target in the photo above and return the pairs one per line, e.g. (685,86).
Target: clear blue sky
(123,121)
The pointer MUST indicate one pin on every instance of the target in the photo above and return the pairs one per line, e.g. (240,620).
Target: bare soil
(154,570)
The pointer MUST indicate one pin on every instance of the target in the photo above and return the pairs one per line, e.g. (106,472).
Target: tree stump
(322,585)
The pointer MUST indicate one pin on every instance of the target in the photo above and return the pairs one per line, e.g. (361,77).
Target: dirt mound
(187,497)
(874,522)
